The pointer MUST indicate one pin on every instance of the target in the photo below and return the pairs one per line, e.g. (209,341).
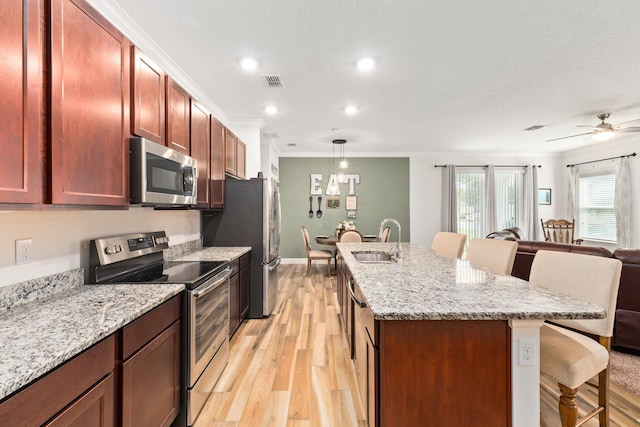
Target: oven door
(208,312)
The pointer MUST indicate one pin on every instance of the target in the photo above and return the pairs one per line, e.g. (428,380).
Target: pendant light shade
(343,163)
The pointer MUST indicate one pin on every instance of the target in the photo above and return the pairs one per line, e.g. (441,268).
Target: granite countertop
(47,321)
(219,253)
(39,335)
(425,286)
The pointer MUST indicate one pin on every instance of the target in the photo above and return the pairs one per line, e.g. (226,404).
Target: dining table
(333,239)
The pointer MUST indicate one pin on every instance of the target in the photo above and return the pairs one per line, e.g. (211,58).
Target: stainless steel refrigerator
(251,217)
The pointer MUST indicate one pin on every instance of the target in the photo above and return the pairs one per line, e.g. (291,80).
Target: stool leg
(568,406)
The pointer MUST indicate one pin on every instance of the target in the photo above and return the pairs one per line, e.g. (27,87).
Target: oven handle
(220,278)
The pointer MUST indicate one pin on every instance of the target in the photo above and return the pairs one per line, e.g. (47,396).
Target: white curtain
(530,218)
(623,203)
(449,203)
(571,194)
(491,209)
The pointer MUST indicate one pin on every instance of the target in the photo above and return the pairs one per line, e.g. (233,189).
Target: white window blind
(596,211)
(471,202)
(509,198)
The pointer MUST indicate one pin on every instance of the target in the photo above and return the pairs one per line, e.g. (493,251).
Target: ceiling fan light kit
(603,131)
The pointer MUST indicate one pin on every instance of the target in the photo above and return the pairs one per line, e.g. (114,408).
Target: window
(471,200)
(596,209)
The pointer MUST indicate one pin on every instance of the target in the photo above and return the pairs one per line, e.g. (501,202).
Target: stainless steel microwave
(161,176)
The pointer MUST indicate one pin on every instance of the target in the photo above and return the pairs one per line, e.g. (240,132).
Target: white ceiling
(451,75)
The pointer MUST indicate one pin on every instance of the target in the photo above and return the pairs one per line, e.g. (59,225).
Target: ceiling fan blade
(565,137)
(630,121)
(586,126)
(629,129)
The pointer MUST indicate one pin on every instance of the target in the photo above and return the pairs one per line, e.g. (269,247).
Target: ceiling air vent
(536,127)
(273,80)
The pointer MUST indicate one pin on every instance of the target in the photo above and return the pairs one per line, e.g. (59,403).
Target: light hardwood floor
(293,368)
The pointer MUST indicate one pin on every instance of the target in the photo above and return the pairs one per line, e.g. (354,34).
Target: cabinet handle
(353,295)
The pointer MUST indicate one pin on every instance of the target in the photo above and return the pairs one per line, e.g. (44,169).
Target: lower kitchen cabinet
(239,284)
(94,387)
(79,391)
(151,367)
(406,370)
(94,408)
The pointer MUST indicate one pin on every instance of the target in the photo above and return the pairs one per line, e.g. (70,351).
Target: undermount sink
(378,257)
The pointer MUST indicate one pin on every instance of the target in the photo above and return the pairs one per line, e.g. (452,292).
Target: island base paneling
(455,372)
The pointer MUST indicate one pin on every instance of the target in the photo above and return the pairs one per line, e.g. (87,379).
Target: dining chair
(315,254)
(559,231)
(351,236)
(449,244)
(496,255)
(570,356)
(386,232)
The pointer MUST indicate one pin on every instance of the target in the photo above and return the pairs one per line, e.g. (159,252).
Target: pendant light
(343,163)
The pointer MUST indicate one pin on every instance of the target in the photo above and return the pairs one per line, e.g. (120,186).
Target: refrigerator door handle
(275,263)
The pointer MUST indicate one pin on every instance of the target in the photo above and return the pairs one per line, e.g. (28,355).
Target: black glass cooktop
(190,273)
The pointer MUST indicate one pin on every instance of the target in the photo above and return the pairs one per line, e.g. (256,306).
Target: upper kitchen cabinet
(21,125)
(89,118)
(241,160)
(200,149)
(236,152)
(217,164)
(148,92)
(231,142)
(178,104)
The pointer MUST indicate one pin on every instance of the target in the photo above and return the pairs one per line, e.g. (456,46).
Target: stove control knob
(113,249)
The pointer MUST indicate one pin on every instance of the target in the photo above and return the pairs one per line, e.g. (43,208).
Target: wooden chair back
(351,236)
(558,230)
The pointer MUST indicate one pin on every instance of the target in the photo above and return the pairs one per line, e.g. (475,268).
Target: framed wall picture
(351,203)
(333,202)
(544,196)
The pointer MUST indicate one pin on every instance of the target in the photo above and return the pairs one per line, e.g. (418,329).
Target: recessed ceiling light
(366,64)
(351,109)
(249,63)
(271,109)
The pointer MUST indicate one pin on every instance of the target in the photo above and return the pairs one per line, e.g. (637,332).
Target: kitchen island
(436,341)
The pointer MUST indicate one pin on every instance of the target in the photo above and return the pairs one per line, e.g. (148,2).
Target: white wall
(426,185)
(249,132)
(61,238)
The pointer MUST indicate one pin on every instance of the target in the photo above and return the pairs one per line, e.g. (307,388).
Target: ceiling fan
(604,131)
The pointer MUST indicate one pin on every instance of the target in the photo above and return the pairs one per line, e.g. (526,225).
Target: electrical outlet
(526,352)
(24,251)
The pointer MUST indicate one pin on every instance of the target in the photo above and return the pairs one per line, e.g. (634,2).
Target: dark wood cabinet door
(89,107)
(218,136)
(95,408)
(231,143)
(241,160)
(21,135)
(234,313)
(178,103)
(151,382)
(148,103)
(200,146)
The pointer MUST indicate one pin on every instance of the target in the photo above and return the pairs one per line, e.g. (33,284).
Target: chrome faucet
(398,251)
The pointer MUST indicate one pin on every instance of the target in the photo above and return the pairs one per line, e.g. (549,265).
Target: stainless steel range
(138,258)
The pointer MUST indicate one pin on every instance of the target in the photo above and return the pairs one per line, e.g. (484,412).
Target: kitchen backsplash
(39,289)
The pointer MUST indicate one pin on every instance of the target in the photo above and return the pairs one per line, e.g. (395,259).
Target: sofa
(626,332)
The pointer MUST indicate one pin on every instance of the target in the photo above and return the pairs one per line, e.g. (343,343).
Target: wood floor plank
(284,369)
(299,404)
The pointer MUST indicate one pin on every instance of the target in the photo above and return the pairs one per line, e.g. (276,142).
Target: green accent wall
(383,192)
